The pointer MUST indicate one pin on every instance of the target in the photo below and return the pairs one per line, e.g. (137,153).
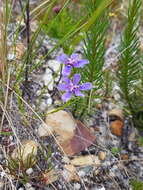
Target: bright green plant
(129,62)
(130,58)
(94,51)
(115,150)
(136,184)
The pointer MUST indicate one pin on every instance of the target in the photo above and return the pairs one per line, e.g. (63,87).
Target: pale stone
(102,155)
(49,101)
(47,78)
(44,130)
(55,65)
(51,85)
(60,122)
(29,171)
(117,112)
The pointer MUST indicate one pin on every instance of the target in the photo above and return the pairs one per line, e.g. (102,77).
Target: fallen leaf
(19,50)
(70,174)
(82,139)
(86,160)
(50,177)
(117,127)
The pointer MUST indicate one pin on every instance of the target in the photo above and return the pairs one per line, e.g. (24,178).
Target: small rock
(55,65)
(66,160)
(117,127)
(51,85)
(29,171)
(47,79)
(38,93)
(11,56)
(48,71)
(43,106)
(21,188)
(102,155)
(44,130)
(49,101)
(31,188)
(77,186)
(117,113)
(81,173)
(1,184)
(28,185)
(124,156)
(61,122)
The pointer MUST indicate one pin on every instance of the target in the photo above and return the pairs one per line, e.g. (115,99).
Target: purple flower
(72,87)
(72,61)
(57,8)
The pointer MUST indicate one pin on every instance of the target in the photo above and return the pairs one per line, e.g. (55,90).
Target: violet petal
(81,63)
(63,87)
(78,93)
(85,86)
(74,56)
(76,78)
(66,96)
(67,70)
(66,79)
(62,58)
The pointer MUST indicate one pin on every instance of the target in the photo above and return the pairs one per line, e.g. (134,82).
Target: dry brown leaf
(86,160)
(117,127)
(19,50)
(50,177)
(117,113)
(70,174)
(82,139)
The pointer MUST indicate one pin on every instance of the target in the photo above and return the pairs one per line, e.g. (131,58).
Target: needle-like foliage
(129,61)
(95,50)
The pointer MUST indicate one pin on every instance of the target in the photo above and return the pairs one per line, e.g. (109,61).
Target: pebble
(1,184)
(49,101)
(55,65)
(81,173)
(102,155)
(21,188)
(11,57)
(77,186)
(29,171)
(31,188)
(51,85)
(48,71)
(38,93)
(28,185)
(1,156)
(43,106)
(47,78)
